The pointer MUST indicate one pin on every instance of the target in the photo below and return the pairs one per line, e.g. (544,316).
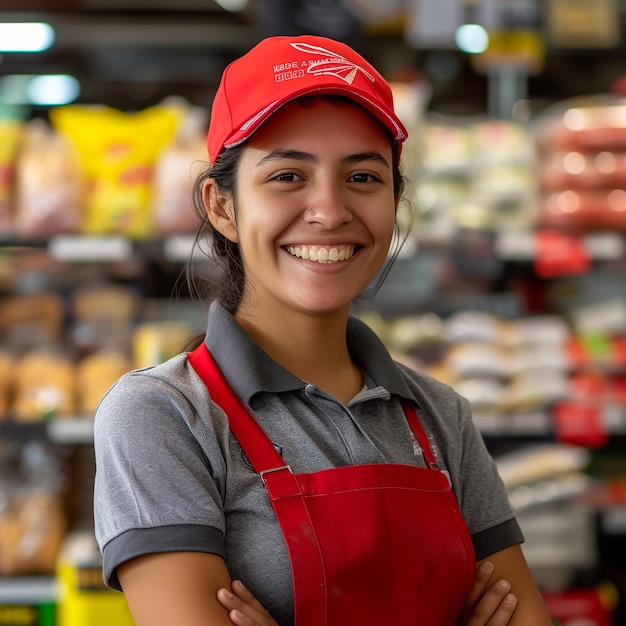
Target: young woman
(288,451)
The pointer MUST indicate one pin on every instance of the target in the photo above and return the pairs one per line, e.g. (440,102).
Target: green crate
(28,614)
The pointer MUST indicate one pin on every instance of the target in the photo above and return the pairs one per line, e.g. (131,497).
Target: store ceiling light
(472,38)
(52,89)
(25,36)
(38,90)
(233,5)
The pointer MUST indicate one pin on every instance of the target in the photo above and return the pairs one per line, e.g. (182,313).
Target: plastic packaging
(118,152)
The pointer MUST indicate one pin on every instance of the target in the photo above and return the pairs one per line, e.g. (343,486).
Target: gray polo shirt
(171,477)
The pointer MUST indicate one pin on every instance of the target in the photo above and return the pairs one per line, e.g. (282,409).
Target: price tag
(520,48)
(560,254)
(580,23)
(586,606)
(579,423)
(90,248)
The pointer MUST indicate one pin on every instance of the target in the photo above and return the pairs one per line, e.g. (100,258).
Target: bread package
(175,172)
(44,386)
(49,186)
(32,527)
(31,320)
(95,373)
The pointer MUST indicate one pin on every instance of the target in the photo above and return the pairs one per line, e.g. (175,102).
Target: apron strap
(268,464)
(252,438)
(420,435)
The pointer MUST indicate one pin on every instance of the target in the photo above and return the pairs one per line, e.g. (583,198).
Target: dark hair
(225,278)
(227,285)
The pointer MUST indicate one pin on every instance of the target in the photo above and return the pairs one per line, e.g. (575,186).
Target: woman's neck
(312,347)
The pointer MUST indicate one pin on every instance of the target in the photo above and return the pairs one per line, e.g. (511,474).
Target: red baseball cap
(279,69)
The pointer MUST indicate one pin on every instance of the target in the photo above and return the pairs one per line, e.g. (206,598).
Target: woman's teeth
(322,254)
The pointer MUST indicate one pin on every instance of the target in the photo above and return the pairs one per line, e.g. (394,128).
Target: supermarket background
(511,286)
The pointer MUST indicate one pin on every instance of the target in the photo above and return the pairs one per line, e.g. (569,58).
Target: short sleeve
(481,493)
(158,471)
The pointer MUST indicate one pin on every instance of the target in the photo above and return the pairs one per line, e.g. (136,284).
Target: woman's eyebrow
(277,155)
(299,155)
(359,157)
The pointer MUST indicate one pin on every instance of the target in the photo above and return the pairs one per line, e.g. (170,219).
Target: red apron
(369,544)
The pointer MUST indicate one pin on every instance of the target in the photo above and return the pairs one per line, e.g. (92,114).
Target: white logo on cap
(333,65)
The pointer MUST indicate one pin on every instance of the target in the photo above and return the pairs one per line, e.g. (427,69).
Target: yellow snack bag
(10,138)
(118,151)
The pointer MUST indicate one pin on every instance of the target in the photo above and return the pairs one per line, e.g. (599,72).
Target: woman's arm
(175,588)
(510,565)
(487,603)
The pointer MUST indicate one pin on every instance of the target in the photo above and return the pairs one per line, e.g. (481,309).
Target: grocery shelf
(78,430)
(85,248)
(540,423)
(106,248)
(28,589)
(520,245)
(531,424)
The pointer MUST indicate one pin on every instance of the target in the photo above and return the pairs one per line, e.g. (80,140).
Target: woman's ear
(220,210)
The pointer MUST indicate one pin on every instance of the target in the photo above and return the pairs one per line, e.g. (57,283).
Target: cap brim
(387,118)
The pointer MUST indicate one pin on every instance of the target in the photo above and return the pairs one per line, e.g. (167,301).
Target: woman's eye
(287,177)
(364,177)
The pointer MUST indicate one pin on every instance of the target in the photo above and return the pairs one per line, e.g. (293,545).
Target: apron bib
(369,544)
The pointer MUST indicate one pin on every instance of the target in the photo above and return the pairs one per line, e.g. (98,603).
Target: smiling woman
(288,451)
(314,178)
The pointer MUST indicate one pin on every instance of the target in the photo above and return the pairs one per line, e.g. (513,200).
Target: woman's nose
(328,207)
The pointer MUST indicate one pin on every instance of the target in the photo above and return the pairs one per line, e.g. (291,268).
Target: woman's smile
(321,253)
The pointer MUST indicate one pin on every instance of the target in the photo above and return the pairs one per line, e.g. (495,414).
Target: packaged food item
(581,146)
(158,341)
(31,531)
(483,393)
(44,386)
(469,326)
(177,167)
(103,318)
(104,302)
(585,124)
(536,389)
(538,330)
(7,364)
(577,170)
(412,332)
(118,151)
(31,320)
(95,373)
(447,148)
(49,188)
(477,359)
(10,139)
(585,209)
(32,516)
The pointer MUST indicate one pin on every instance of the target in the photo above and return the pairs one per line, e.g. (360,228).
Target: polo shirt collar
(231,346)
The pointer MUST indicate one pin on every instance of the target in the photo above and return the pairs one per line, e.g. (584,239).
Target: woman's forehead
(310,118)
